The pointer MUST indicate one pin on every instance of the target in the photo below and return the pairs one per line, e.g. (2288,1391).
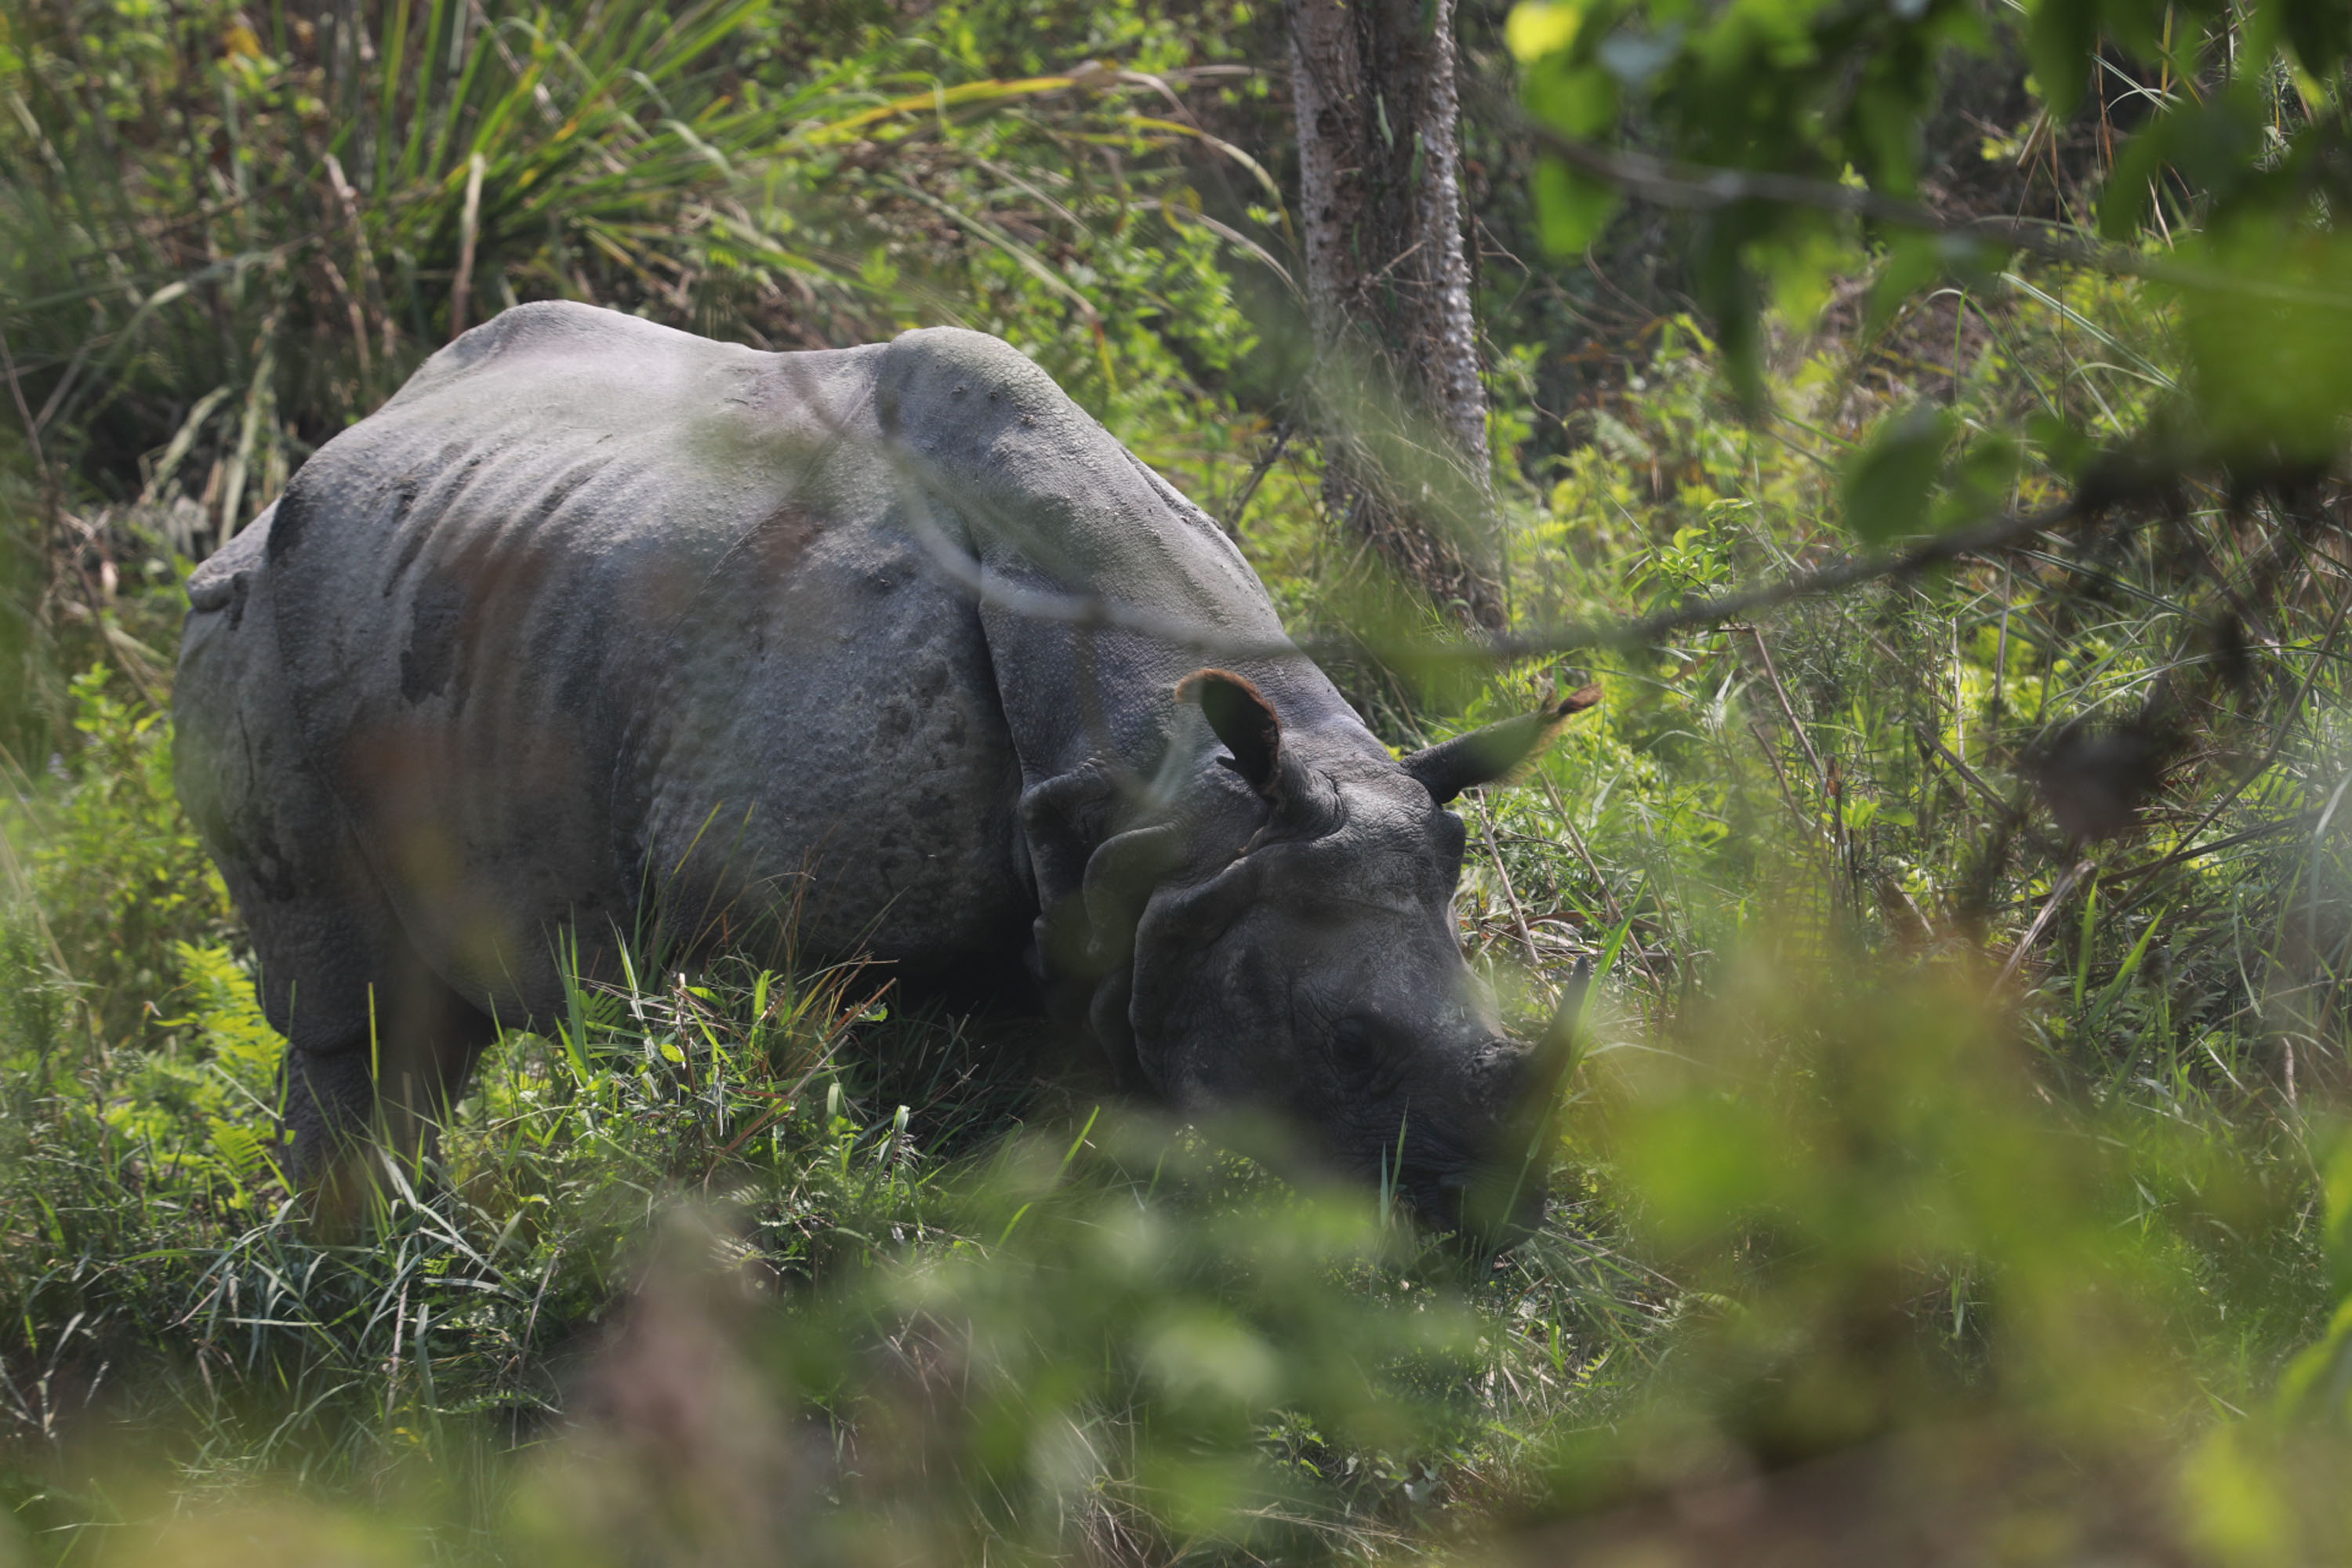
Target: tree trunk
(1402,415)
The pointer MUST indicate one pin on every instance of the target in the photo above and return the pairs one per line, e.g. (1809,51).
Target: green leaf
(1582,103)
(2065,445)
(2060,41)
(1979,482)
(2266,342)
(2319,30)
(1571,209)
(1886,483)
(2129,194)
(1539,27)
(2339,1238)
(1912,262)
(1803,266)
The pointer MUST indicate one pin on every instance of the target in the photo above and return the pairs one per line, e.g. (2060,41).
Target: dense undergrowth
(1954,1155)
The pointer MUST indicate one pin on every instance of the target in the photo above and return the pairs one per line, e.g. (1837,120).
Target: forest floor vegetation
(1955,1162)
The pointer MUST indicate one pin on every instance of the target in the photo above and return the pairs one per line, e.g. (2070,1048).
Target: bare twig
(2294,711)
(1593,869)
(1098,610)
(1788,709)
(2008,968)
(24,410)
(1510,894)
(1576,842)
(1258,471)
(1811,825)
(2212,847)
(2011,811)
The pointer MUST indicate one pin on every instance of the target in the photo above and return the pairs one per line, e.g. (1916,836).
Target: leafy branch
(1667,181)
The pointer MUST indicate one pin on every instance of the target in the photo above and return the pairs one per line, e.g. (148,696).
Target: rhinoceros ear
(1243,719)
(1482,756)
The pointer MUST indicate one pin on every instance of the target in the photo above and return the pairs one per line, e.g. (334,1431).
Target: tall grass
(222,239)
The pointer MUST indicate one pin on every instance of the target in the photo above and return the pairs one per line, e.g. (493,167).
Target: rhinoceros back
(596,622)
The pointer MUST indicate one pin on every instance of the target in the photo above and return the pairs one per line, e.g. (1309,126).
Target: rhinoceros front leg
(383,1088)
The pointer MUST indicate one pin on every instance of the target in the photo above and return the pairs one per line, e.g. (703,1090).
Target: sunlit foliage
(1954,1165)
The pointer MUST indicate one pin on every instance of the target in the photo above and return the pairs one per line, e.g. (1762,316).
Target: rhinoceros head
(1296,949)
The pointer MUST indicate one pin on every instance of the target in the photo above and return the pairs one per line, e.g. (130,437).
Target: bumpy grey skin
(601,632)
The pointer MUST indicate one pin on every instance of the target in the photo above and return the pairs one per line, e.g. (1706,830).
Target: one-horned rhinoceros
(599,629)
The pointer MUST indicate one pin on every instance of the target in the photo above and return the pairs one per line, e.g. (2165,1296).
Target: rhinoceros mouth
(1493,1208)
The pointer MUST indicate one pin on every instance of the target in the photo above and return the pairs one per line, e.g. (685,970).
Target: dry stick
(1959,714)
(363,255)
(1811,825)
(24,410)
(1820,776)
(1576,841)
(2034,933)
(2001,649)
(468,223)
(1969,775)
(1265,462)
(1932,746)
(1510,894)
(964,571)
(2179,857)
(359,324)
(523,1347)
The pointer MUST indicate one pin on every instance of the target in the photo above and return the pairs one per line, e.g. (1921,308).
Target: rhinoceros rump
(599,632)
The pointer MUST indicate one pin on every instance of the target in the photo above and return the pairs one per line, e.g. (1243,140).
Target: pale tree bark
(1402,416)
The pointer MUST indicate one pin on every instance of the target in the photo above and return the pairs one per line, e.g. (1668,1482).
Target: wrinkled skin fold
(601,633)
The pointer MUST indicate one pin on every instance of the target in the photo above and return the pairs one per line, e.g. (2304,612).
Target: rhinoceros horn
(1555,1054)
(1516,1166)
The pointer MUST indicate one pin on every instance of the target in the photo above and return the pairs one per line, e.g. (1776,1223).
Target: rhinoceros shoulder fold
(933,380)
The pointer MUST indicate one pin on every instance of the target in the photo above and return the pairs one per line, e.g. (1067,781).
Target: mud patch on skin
(435,622)
(782,538)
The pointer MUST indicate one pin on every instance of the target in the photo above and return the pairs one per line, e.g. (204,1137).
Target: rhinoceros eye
(1356,1046)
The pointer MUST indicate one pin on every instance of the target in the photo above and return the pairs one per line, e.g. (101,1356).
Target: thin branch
(1267,460)
(2074,874)
(24,411)
(1510,893)
(1788,708)
(2212,846)
(1097,610)
(1666,182)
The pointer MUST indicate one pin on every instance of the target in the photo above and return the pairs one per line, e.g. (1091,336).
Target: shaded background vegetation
(1953,1160)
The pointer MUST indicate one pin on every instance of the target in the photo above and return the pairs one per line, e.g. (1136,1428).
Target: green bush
(117,879)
